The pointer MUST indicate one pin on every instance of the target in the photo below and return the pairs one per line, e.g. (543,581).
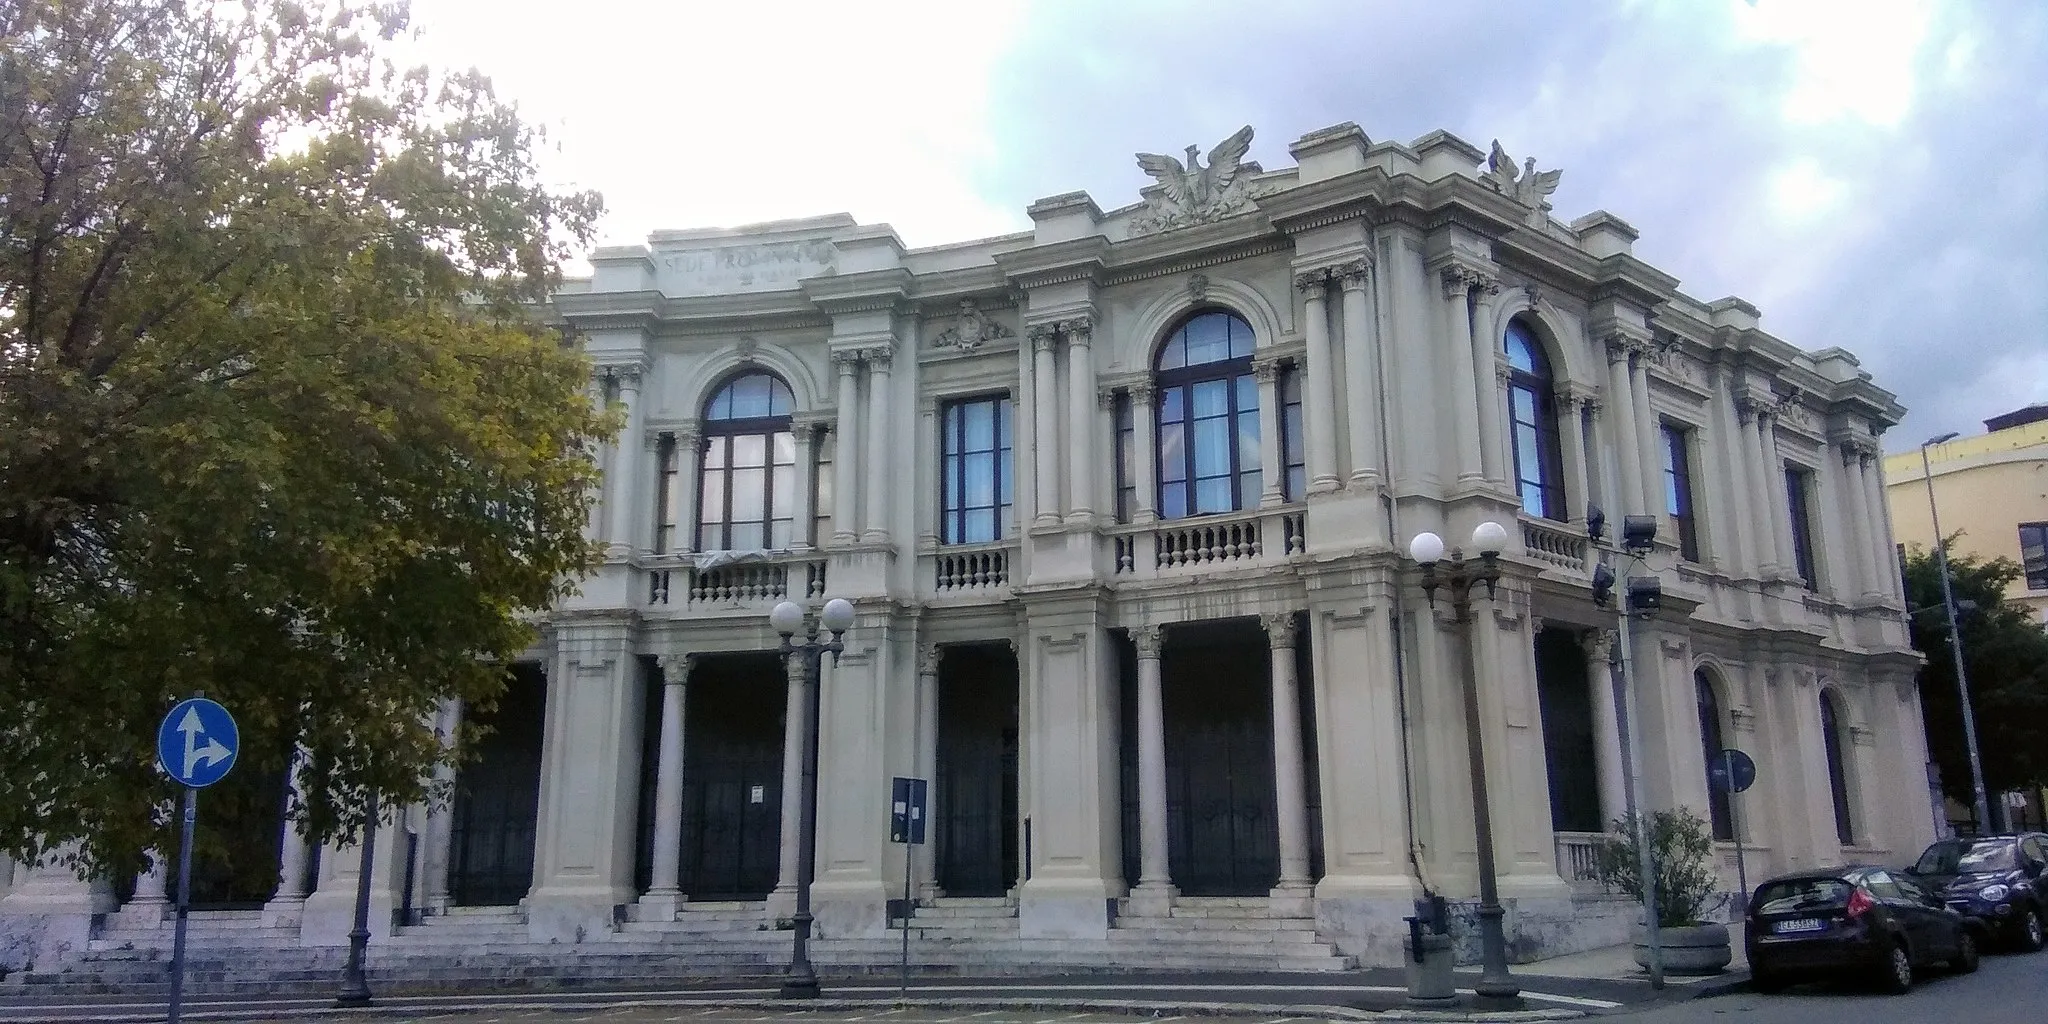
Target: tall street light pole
(1497,988)
(355,981)
(787,619)
(1955,641)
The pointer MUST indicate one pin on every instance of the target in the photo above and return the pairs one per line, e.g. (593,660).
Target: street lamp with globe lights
(1496,989)
(787,619)
(1980,802)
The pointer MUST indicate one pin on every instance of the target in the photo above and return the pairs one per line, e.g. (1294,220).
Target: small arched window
(1533,438)
(1831,726)
(1711,745)
(1208,438)
(749,459)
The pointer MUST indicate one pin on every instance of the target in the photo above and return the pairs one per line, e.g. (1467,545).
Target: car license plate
(1800,924)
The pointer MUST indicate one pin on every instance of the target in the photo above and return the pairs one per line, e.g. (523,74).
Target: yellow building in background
(1992,488)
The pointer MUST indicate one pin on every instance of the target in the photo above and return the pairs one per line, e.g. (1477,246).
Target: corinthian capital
(1078,330)
(1313,281)
(1147,639)
(1353,273)
(928,655)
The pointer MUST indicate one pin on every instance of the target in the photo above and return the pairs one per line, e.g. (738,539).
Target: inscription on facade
(764,267)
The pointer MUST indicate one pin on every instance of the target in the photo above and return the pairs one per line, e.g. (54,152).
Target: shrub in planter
(1683,880)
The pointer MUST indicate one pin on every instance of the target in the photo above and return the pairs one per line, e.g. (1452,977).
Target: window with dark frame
(1799,498)
(748,479)
(1126,424)
(1711,744)
(1831,726)
(1207,445)
(1294,483)
(1678,489)
(665,497)
(2034,554)
(1532,432)
(975,482)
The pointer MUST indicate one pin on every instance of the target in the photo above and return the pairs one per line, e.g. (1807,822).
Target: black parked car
(1998,880)
(1860,922)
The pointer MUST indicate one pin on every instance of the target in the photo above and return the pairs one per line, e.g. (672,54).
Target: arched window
(749,475)
(1208,417)
(1532,406)
(1711,745)
(1831,726)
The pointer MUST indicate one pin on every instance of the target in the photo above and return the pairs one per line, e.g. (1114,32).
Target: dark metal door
(975,799)
(732,777)
(497,798)
(237,837)
(1222,831)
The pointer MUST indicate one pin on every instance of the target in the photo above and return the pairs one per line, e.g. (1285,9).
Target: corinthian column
(1774,481)
(1648,440)
(1599,645)
(1289,789)
(801,518)
(879,466)
(1153,896)
(1621,402)
(1862,579)
(1457,282)
(1145,460)
(925,743)
(1489,382)
(1319,378)
(846,452)
(1273,473)
(1749,459)
(664,890)
(1081,413)
(1045,431)
(625,462)
(1361,347)
(440,855)
(795,720)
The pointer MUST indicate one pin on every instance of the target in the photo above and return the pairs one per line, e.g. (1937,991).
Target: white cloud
(1854,58)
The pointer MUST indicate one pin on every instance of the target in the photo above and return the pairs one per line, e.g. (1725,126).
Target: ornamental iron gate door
(732,776)
(975,798)
(497,799)
(1222,834)
(237,838)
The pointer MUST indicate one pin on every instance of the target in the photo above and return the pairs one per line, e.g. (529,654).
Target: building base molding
(1060,908)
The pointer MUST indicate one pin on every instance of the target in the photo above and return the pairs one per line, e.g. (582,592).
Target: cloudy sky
(1872,174)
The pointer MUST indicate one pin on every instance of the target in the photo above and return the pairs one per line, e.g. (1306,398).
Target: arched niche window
(1532,435)
(1711,744)
(749,475)
(1208,438)
(1831,726)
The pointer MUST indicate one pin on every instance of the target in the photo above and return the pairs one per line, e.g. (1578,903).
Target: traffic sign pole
(190,814)
(1735,826)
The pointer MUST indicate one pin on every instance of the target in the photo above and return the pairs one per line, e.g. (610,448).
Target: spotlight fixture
(1603,585)
(1637,532)
(1645,594)
(1596,523)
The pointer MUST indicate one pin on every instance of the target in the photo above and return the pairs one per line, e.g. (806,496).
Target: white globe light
(1490,538)
(837,616)
(1427,548)
(787,618)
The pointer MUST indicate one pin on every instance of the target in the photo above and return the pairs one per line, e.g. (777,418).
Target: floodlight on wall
(1637,533)
(1603,585)
(1596,523)
(1645,594)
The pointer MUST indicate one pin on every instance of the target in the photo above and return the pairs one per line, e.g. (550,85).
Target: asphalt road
(2008,989)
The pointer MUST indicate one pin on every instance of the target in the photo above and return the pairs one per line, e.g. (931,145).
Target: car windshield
(1963,857)
(1801,894)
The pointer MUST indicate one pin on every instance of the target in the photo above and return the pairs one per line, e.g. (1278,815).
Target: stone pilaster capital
(676,666)
(1266,371)
(1460,279)
(1353,274)
(626,374)
(1044,337)
(1147,638)
(1105,399)
(1599,645)
(1575,395)
(1078,330)
(847,360)
(928,656)
(1280,629)
(650,441)
(877,357)
(1144,392)
(1502,371)
(1198,286)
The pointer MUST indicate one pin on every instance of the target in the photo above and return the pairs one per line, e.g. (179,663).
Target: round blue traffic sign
(1732,770)
(197,742)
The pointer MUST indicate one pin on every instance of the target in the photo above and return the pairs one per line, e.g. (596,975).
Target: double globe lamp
(787,620)
(1496,989)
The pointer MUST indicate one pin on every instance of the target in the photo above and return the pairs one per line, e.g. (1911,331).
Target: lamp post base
(1489,1003)
(798,988)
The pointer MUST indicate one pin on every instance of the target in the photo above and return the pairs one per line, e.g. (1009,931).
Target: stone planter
(1700,949)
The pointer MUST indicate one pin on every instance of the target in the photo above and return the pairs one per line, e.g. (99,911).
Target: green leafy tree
(275,421)
(2005,653)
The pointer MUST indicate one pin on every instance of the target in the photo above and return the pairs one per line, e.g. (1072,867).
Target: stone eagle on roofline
(1189,194)
(1529,188)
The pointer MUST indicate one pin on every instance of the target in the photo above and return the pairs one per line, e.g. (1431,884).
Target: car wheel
(1897,976)
(2032,935)
(1965,960)
(1767,982)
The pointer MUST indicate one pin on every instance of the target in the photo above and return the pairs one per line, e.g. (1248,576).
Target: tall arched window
(1208,417)
(1711,745)
(749,475)
(1532,406)
(1831,726)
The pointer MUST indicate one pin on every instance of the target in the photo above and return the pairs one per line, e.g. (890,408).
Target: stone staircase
(131,929)
(488,949)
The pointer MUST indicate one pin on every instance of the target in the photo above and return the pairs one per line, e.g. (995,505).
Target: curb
(1127,1007)
(1733,982)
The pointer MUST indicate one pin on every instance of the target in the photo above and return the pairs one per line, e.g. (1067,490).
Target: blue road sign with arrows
(1732,770)
(197,742)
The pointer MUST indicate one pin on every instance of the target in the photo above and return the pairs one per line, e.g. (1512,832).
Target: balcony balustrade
(967,570)
(749,580)
(1562,545)
(1209,543)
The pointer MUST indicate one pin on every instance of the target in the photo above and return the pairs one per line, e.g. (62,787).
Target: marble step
(1206,924)
(969,913)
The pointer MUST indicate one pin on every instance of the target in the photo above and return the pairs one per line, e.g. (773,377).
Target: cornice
(1348,196)
(1626,278)
(1077,259)
(1185,260)
(863,292)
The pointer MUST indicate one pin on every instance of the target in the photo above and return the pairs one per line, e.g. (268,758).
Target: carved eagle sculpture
(1528,187)
(1191,188)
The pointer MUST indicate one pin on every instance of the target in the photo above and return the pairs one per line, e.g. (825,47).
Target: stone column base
(659,905)
(326,918)
(140,913)
(781,906)
(843,910)
(574,916)
(1292,899)
(1063,909)
(284,912)
(1151,899)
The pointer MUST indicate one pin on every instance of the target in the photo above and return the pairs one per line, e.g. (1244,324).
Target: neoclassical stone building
(1121,501)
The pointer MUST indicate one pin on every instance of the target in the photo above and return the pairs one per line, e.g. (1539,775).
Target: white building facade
(1121,503)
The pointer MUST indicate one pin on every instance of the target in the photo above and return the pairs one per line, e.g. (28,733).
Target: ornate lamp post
(355,983)
(787,619)
(1497,989)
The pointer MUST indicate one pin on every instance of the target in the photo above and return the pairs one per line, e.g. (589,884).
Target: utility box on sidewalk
(1430,955)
